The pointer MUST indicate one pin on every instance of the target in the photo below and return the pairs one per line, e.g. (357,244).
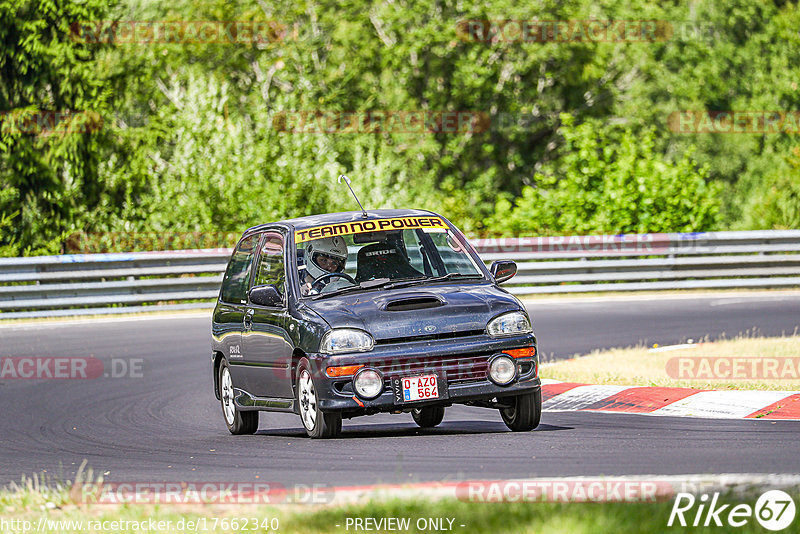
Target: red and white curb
(685,402)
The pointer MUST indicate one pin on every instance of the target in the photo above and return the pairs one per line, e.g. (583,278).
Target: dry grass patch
(744,363)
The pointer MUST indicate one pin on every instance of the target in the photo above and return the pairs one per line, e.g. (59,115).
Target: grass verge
(19,506)
(744,363)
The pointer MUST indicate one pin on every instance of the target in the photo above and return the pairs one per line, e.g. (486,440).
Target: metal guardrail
(641,262)
(131,282)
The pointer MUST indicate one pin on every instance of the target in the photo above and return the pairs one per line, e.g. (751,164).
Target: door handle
(248,319)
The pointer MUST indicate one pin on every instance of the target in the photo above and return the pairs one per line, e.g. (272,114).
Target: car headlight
(368,383)
(509,324)
(346,340)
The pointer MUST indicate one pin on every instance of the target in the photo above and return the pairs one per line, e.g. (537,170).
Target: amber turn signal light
(527,352)
(346,370)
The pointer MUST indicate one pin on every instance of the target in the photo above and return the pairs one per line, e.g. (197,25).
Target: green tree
(776,202)
(188,140)
(610,180)
(208,172)
(731,55)
(48,168)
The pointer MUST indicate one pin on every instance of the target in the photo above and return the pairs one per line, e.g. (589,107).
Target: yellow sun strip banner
(361,227)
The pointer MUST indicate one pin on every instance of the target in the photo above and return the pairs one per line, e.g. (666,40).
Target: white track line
(153,316)
(723,404)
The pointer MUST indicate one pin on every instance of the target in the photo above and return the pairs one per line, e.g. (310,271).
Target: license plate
(415,388)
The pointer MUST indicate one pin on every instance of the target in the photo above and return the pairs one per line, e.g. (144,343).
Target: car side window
(453,254)
(234,283)
(271,270)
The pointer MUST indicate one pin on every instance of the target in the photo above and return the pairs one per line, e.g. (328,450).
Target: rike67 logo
(774,510)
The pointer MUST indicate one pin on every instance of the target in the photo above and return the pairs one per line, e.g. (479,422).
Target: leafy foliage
(576,137)
(611,179)
(48,173)
(776,202)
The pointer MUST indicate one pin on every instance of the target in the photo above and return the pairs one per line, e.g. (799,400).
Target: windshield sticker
(360,227)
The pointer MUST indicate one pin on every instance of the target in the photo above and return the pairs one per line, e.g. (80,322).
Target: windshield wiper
(366,284)
(448,276)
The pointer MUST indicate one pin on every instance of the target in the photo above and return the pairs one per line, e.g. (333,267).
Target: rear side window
(270,264)
(234,284)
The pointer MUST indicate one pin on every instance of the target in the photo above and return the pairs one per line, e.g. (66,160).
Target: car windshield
(371,260)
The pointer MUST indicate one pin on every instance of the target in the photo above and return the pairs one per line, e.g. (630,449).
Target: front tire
(318,424)
(238,422)
(428,416)
(524,413)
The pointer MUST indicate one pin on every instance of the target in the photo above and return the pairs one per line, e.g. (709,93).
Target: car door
(230,311)
(266,345)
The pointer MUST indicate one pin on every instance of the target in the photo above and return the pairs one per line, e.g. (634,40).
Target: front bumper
(462,362)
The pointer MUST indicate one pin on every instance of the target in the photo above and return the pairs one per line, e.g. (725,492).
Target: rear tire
(428,416)
(318,424)
(238,422)
(525,411)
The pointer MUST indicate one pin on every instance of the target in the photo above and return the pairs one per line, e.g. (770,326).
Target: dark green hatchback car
(348,314)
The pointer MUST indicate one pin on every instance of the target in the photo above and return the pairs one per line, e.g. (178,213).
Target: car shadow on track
(380,430)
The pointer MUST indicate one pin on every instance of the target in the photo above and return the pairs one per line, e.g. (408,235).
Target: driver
(324,256)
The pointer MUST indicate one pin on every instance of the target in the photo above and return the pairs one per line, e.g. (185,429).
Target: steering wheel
(322,281)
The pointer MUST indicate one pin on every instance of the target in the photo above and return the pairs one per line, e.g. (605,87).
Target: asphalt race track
(564,328)
(166,424)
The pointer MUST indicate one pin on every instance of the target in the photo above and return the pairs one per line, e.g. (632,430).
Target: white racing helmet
(326,255)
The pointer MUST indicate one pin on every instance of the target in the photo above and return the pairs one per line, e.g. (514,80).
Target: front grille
(429,337)
(457,368)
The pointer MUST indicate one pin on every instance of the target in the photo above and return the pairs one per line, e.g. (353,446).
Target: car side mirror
(503,270)
(266,296)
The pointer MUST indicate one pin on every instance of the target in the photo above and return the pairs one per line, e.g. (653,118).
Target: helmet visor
(328,262)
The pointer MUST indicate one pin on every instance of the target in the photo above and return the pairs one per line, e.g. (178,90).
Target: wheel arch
(297,355)
(218,357)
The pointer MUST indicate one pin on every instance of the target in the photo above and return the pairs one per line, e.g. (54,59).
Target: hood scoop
(413,303)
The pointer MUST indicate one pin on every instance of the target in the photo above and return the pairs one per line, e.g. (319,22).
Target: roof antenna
(347,181)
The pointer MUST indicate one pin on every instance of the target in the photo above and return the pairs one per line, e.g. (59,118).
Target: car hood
(439,308)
